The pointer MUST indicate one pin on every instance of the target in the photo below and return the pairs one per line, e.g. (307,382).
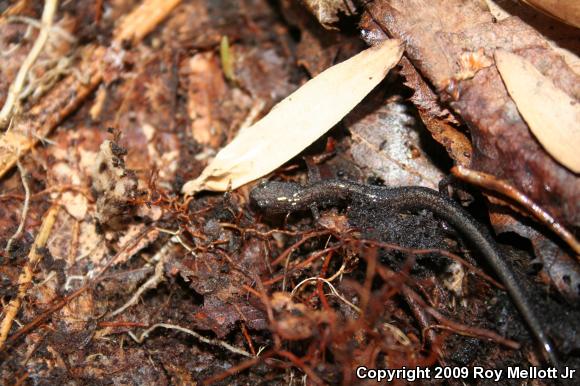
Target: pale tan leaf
(298,120)
(559,36)
(567,11)
(551,114)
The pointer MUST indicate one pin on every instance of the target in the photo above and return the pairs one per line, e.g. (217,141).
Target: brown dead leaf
(223,305)
(552,115)
(318,48)
(559,267)
(297,121)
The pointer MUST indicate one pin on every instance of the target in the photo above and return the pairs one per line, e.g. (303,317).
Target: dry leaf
(298,120)
(567,11)
(551,114)
(387,140)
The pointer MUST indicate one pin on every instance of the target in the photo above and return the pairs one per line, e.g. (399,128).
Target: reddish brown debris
(137,285)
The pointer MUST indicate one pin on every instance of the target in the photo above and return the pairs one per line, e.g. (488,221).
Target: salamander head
(275,196)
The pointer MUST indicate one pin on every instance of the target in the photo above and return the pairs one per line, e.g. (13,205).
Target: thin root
(213,342)
(151,283)
(24,208)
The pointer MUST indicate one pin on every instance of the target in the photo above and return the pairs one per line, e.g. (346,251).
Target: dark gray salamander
(282,197)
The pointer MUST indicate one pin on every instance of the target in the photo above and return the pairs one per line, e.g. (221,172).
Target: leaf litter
(108,273)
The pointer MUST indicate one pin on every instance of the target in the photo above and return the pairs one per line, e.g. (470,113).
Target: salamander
(282,197)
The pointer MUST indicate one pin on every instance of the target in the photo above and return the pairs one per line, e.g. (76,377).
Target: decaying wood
(57,104)
(144,19)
